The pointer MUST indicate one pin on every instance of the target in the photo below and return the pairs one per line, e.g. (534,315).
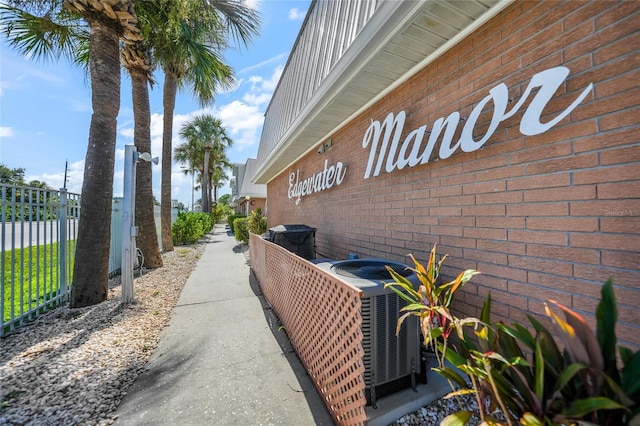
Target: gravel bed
(73,366)
(432,414)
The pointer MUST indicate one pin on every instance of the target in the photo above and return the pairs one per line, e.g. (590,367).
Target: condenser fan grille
(369,269)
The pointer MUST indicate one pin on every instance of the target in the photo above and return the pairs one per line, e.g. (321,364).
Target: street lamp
(129,230)
(193,183)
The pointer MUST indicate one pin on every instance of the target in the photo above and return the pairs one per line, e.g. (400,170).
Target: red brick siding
(543,217)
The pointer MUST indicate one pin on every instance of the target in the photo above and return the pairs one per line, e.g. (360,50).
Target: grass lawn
(34,271)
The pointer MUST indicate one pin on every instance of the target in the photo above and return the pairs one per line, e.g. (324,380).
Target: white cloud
(75,175)
(260,84)
(260,99)
(278,58)
(243,121)
(6,132)
(253,4)
(127,132)
(43,75)
(296,14)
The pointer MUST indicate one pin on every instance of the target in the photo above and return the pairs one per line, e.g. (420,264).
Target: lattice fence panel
(322,317)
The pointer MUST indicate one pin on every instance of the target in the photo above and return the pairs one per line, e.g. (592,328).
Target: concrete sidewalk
(222,360)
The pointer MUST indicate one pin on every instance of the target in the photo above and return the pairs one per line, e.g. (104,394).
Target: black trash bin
(299,239)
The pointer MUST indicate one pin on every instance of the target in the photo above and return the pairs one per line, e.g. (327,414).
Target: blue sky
(45,107)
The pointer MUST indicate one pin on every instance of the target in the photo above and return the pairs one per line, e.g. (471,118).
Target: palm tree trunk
(206,205)
(147,240)
(91,267)
(169,104)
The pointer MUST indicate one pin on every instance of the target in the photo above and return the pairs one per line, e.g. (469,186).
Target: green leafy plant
(575,382)
(232,217)
(221,211)
(191,226)
(430,301)
(522,375)
(257,222)
(241,230)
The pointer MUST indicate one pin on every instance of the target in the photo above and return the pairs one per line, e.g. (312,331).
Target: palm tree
(206,142)
(218,177)
(91,267)
(140,67)
(187,50)
(191,154)
(56,26)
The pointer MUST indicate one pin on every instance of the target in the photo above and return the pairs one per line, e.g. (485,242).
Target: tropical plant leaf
(525,391)
(626,354)
(460,281)
(582,407)
(400,279)
(451,375)
(537,325)
(539,373)
(519,333)
(630,376)
(622,397)
(460,392)
(607,316)
(485,312)
(572,341)
(451,355)
(420,271)
(401,320)
(585,336)
(413,307)
(400,293)
(459,418)
(529,419)
(567,374)
(553,358)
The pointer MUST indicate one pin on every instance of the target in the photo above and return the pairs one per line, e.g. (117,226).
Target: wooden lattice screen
(322,317)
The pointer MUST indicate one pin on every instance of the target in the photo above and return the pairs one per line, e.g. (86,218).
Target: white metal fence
(39,228)
(37,249)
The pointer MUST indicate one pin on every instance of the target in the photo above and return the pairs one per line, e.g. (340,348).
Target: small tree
(257,222)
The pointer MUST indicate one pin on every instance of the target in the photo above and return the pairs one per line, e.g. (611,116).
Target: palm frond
(52,35)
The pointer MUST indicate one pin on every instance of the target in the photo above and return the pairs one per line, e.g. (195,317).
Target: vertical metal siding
(328,32)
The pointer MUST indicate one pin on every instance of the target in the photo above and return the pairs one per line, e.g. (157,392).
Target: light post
(129,230)
(193,183)
(206,201)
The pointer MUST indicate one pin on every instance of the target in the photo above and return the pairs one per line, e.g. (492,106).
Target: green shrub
(257,222)
(527,376)
(189,227)
(221,211)
(241,230)
(231,218)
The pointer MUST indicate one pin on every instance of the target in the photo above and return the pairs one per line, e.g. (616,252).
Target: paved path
(222,360)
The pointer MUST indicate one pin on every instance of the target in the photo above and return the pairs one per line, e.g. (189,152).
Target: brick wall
(542,217)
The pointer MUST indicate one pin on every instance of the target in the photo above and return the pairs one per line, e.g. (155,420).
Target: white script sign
(320,181)
(384,138)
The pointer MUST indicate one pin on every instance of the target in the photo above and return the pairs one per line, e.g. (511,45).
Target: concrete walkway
(222,360)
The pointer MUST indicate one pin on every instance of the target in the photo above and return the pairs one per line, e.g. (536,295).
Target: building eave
(397,42)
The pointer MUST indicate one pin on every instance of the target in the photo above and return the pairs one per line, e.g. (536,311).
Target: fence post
(62,243)
(129,230)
